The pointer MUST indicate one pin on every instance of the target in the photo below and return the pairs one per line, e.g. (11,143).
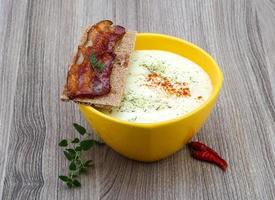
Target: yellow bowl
(155,141)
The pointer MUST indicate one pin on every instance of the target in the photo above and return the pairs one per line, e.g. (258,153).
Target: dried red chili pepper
(198,146)
(202,152)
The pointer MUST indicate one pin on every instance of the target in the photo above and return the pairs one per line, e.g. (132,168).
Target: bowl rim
(213,95)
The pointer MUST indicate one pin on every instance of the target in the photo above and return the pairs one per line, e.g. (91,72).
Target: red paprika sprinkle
(179,89)
(202,152)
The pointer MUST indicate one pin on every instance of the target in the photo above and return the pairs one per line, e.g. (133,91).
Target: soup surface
(161,86)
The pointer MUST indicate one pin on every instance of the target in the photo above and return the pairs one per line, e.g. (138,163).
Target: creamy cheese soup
(161,86)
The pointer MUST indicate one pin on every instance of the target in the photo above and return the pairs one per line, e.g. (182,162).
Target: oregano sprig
(72,150)
(95,63)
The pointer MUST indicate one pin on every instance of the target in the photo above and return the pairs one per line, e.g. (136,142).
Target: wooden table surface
(37,40)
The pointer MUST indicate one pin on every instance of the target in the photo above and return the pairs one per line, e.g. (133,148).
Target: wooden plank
(38,39)
(11,30)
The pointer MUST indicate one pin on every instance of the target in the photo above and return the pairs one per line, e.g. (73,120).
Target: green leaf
(64,178)
(76,183)
(68,155)
(88,163)
(100,66)
(78,148)
(76,140)
(72,166)
(93,59)
(69,184)
(63,143)
(72,152)
(99,143)
(79,128)
(86,144)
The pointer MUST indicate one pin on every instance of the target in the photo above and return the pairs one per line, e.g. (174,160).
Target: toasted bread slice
(123,51)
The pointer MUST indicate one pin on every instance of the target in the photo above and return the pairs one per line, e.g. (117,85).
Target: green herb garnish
(72,150)
(95,63)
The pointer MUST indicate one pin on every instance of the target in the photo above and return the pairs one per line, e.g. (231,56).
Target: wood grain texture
(37,39)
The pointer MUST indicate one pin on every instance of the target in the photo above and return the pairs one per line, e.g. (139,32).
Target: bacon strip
(85,80)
